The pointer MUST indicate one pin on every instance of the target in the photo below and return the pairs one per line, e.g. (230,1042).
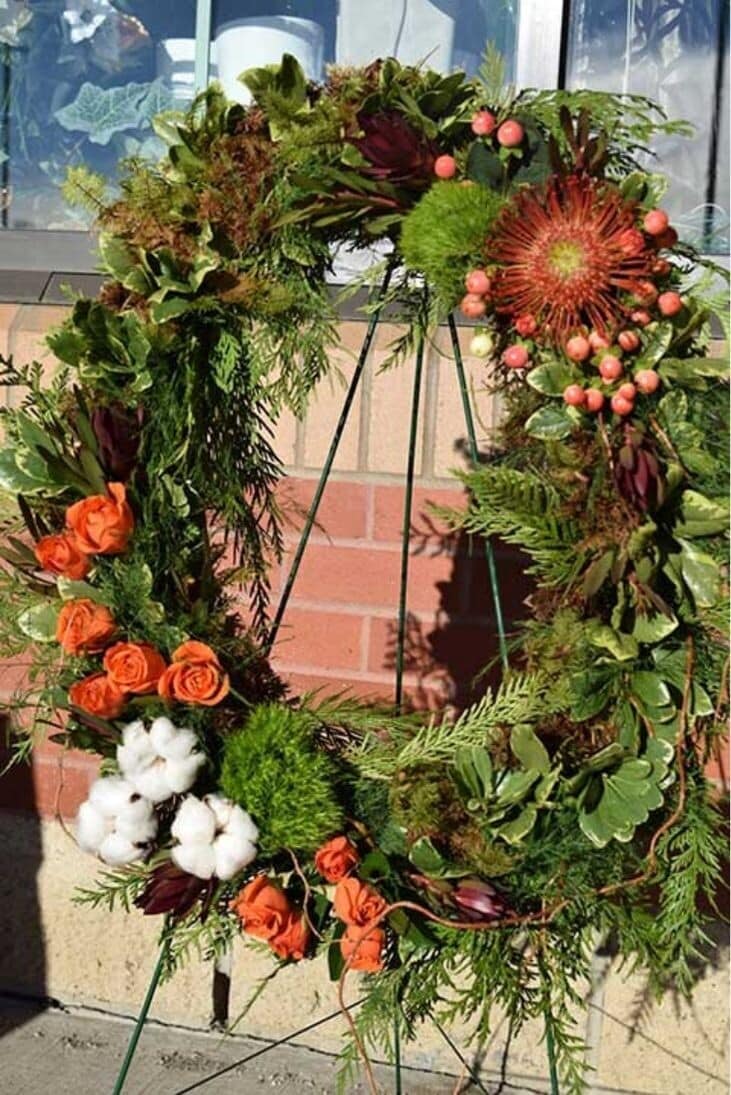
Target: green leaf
(513,832)
(621,646)
(513,787)
(650,688)
(529,749)
(550,423)
(484,166)
(426,858)
(596,574)
(335,960)
(701,574)
(550,379)
(39,622)
(69,590)
(702,516)
(474,768)
(652,627)
(659,337)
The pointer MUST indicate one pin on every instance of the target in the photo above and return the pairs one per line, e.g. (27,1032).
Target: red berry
(661,267)
(598,342)
(594,400)
(578,348)
(646,291)
(641,317)
(483,123)
(610,367)
(516,357)
(631,241)
(445,167)
(477,282)
(647,380)
(472,306)
(574,395)
(510,134)
(627,391)
(670,303)
(622,406)
(526,325)
(628,340)
(666,239)
(655,222)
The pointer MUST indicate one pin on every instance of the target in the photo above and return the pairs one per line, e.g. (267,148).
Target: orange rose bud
(103,523)
(195,676)
(98,695)
(336,859)
(84,625)
(262,908)
(60,554)
(356,902)
(363,950)
(134,667)
(292,941)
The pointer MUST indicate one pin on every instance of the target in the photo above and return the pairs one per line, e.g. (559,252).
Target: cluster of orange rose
(102,525)
(266,912)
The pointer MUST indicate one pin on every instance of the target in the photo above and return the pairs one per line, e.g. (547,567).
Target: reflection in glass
(80,81)
(675,52)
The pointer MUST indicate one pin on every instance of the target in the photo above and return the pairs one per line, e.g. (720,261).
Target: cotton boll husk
(91,827)
(116,850)
(152,782)
(197,859)
(194,823)
(171,742)
(231,855)
(110,794)
(241,826)
(180,775)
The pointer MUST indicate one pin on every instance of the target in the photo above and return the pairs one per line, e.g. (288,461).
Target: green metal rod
(397,1055)
(142,1018)
(332,452)
(551,1054)
(474,456)
(406,531)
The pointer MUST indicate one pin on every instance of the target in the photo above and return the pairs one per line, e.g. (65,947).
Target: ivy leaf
(617,643)
(514,831)
(551,378)
(39,622)
(652,627)
(700,573)
(596,574)
(101,112)
(550,423)
(69,589)
(650,688)
(702,516)
(656,346)
(484,166)
(529,749)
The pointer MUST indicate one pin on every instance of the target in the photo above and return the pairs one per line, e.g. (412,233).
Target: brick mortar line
(354,608)
(360,543)
(364,676)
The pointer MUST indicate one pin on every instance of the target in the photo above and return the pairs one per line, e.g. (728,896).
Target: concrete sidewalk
(77,1052)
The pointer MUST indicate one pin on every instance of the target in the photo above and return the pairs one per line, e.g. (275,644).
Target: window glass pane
(79,82)
(675,52)
(447,34)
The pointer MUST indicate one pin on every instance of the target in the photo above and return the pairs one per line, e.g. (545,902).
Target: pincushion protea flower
(563,255)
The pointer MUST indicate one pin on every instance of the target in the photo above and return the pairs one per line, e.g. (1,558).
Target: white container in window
(410,30)
(176,64)
(261,40)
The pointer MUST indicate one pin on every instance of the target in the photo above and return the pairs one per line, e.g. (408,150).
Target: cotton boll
(170,741)
(152,782)
(241,826)
(91,827)
(116,850)
(231,855)
(180,775)
(221,807)
(197,859)
(139,828)
(110,795)
(194,823)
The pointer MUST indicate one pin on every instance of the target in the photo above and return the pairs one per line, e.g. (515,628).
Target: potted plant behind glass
(411,30)
(257,33)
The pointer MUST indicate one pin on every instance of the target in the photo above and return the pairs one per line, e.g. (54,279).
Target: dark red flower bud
(395,152)
(478,900)
(175,892)
(117,431)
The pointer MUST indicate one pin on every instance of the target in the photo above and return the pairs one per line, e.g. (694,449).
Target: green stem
(474,456)
(329,460)
(406,530)
(142,1017)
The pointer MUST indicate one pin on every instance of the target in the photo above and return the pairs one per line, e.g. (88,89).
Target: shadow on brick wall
(22,955)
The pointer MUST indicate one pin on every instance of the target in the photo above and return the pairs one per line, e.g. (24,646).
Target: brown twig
(308,893)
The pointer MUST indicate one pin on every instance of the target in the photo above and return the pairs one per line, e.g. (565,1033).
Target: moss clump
(444,235)
(272,768)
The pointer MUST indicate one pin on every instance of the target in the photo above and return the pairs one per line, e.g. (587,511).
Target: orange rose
(356,902)
(363,950)
(134,667)
(262,908)
(336,858)
(60,554)
(292,941)
(84,625)
(102,523)
(98,695)
(195,676)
